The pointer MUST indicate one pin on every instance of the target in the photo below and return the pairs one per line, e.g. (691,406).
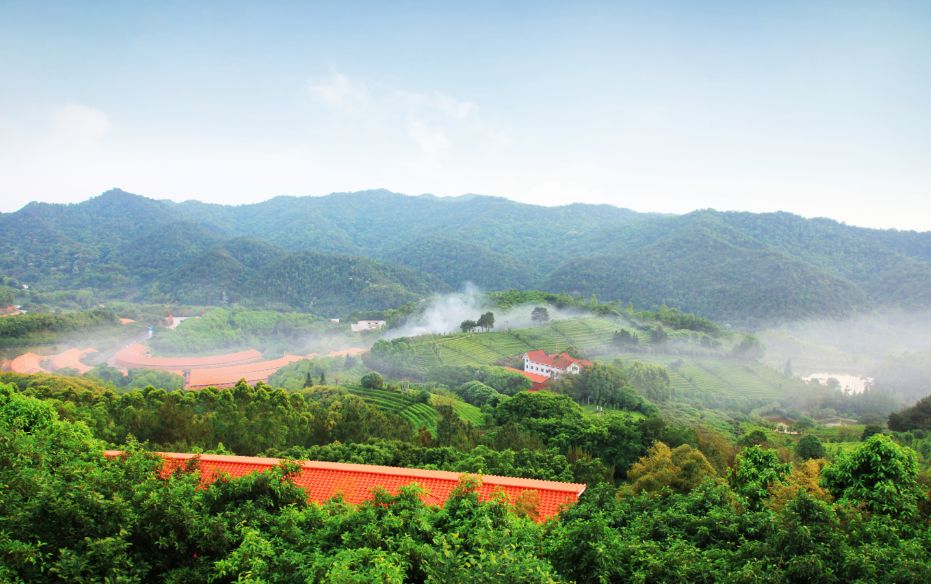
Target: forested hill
(376,248)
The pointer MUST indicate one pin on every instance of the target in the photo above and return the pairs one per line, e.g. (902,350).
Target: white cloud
(340,92)
(76,124)
(435,102)
(429,140)
(433,122)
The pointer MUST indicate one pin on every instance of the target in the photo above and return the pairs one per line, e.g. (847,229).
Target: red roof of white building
(560,361)
(539,381)
(356,482)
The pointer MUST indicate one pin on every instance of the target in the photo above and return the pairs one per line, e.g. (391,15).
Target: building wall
(534,367)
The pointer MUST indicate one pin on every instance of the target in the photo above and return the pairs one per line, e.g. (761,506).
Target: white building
(368,325)
(540,363)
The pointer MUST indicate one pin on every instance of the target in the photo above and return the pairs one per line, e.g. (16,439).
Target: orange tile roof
(136,356)
(27,363)
(355,482)
(229,376)
(71,359)
(560,361)
(534,377)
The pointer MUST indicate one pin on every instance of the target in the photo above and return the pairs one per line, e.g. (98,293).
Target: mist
(893,346)
(444,313)
(857,343)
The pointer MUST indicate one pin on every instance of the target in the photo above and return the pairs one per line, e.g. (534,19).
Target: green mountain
(374,249)
(698,271)
(456,262)
(124,246)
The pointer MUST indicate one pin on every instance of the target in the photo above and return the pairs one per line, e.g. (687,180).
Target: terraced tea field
(464,410)
(417,413)
(489,348)
(724,382)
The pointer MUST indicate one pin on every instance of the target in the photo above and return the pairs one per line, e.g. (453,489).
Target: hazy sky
(819,108)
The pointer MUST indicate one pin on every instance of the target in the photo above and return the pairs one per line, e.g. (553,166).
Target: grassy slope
(728,380)
(488,348)
(708,389)
(417,413)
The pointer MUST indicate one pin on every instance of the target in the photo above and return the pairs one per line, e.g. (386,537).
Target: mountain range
(374,250)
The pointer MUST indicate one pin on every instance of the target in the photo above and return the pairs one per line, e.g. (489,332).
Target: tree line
(69,515)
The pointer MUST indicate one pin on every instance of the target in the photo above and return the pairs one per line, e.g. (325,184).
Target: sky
(817,108)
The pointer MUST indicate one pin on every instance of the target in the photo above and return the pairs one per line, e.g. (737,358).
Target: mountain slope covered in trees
(377,248)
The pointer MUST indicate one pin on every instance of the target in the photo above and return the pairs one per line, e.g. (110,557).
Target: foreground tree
(879,475)
(757,471)
(680,469)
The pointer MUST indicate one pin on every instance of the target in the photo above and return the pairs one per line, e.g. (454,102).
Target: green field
(713,381)
(489,348)
(466,411)
(417,413)
(724,383)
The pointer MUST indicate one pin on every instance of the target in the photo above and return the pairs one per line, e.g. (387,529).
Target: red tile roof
(539,381)
(355,482)
(560,361)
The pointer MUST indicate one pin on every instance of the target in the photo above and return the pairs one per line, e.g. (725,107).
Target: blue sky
(818,108)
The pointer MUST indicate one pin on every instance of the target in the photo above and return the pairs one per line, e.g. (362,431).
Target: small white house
(368,325)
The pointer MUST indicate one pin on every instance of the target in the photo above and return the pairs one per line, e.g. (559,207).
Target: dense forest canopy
(69,514)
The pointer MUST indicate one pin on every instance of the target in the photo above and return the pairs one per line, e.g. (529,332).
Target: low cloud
(444,313)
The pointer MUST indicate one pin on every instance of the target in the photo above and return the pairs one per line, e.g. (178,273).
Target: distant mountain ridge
(376,249)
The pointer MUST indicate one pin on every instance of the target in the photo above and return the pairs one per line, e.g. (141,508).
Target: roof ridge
(448,475)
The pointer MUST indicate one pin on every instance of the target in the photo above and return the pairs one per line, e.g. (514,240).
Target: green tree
(748,349)
(651,380)
(803,423)
(754,438)
(467,326)
(477,393)
(680,469)
(658,335)
(880,475)
(486,321)
(451,430)
(757,471)
(917,417)
(870,430)
(372,380)
(540,315)
(809,446)
(626,339)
